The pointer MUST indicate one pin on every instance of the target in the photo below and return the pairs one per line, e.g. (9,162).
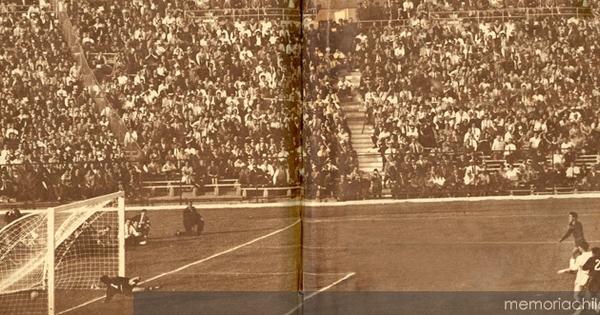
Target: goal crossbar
(85,203)
(53,242)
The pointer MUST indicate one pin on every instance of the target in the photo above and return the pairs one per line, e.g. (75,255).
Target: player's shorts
(579,241)
(593,285)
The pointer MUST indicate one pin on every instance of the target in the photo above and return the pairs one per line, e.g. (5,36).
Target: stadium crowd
(327,145)
(222,94)
(441,95)
(53,140)
(221,99)
(241,120)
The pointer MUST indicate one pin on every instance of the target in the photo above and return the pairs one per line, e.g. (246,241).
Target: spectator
(376,184)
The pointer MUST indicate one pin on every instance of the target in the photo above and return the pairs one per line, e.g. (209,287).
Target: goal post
(51,254)
(73,224)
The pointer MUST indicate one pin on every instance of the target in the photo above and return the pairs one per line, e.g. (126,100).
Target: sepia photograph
(299,157)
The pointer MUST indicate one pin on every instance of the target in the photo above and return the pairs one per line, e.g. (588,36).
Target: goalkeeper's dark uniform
(122,285)
(118,285)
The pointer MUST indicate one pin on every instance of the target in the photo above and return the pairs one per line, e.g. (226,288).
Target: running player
(122,285)
(582,275)
(575,229)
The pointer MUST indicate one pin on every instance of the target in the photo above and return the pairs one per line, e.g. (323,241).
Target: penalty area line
(310,296)
(191,264)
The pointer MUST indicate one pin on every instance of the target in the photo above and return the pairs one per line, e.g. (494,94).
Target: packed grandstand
(459,98)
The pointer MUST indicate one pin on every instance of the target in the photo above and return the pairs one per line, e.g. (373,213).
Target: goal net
(36,270)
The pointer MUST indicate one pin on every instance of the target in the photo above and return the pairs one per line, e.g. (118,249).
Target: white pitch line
(192,264)
(324,273)
(368,202)
(454,243)
(310,296)
(203,206)
(420,216)
(491,243)
(238,273)
(433,216)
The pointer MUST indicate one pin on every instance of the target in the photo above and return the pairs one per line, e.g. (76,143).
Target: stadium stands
(221,93)
(52,135)
(457,105)
(508,103)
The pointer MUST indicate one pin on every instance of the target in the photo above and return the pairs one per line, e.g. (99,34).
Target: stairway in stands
(368,157)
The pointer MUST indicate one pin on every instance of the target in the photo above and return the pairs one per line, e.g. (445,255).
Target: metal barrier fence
(31,182)
(460,174)
(552,160)
(508,13)
(46,182)
(133,150)
(504,14)
(243,14)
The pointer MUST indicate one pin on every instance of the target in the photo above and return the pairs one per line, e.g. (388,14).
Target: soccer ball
(34,295)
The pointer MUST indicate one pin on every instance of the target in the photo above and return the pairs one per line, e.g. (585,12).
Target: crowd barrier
(494,159)
(502,14)
(477,174)
(245,14)
(149,188)
(42,182)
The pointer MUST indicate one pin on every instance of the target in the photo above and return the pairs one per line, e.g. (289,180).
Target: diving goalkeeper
(122,285)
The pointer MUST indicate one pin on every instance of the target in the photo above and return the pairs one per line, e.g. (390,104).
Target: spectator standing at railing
(281,176)
(376,184)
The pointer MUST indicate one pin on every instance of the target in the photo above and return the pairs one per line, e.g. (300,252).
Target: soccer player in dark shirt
(122,285)
(592,265)
(575,229)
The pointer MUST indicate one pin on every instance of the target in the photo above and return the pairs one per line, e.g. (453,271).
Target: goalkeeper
(122,285)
